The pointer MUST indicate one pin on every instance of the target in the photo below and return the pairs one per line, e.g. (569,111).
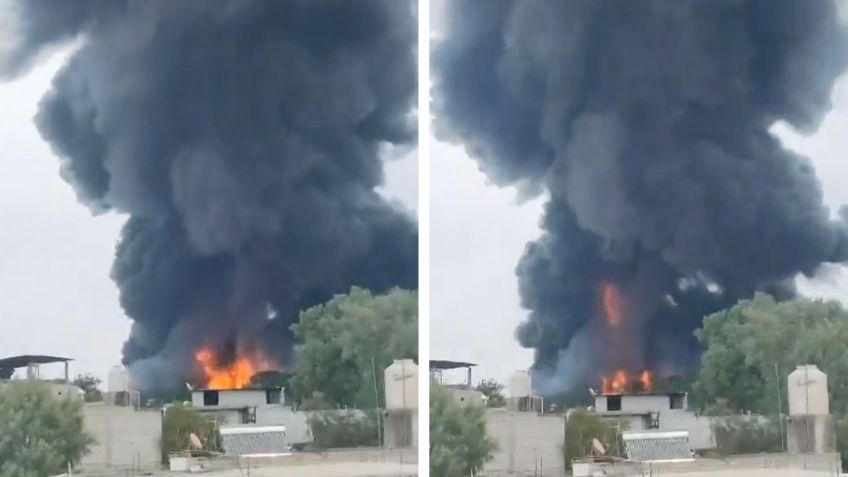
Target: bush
(743,435)
(39,434)
(341,429)
(581,428)
(459,444)
(179,423)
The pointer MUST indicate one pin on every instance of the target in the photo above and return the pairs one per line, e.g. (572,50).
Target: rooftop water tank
(118,380)
(401,382)
(807,389)
(519,384)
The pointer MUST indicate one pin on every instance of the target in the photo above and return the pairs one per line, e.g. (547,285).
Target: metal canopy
(23,361)
(445,364)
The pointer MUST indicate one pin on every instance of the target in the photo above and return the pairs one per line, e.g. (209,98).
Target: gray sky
(57,297)
(479,232)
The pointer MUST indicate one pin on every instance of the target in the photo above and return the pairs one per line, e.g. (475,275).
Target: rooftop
(22,361)
(445,364)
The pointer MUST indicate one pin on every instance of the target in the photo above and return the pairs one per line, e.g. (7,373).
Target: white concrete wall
(234,397)
(64,391)
(699,428)
(126,438)
(527,442)
(642,403)
(466,397)
(297,426)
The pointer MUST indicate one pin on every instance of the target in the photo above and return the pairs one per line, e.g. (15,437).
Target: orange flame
(646,379)
(613,304)
(235,376)
(621,383)
(618,384)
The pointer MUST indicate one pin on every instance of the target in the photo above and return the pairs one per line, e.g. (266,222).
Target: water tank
(807,389)
(401,381)
(519,384)
(118,379)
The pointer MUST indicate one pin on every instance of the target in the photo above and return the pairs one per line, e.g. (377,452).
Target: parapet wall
(829,463)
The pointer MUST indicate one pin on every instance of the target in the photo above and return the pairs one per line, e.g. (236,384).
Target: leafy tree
(90,385)
(39,434)
(747,435)
(751,348)
(346,340)
(459,445)
(275,379)
(493,391)
(343,429)
(581,428)
(179,423)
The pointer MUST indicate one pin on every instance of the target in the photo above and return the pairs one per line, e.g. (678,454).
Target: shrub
(747,435)
(581,428)
(341,429)
(179,423)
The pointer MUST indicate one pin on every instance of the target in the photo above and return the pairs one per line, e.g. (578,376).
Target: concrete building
(125,438)
(527,442)
(60,388)
(656,411)
(240,406)
(252,407)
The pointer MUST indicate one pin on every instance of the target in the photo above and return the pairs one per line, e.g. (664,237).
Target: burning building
(244,141)
(647,126)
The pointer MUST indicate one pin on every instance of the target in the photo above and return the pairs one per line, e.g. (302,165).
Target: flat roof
(22,361)
(675,393)
(446,364)
(237,389)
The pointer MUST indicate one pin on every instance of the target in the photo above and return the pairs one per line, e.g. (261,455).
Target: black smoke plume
(647,125)
(243,138)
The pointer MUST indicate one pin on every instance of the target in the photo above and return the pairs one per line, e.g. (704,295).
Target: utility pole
(779,408)
(377,403)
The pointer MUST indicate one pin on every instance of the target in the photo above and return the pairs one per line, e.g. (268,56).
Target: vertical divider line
(423,237)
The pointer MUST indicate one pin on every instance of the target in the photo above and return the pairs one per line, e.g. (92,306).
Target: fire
(622,383)
(646,379)
(236,375)
(613,304)
(618,384)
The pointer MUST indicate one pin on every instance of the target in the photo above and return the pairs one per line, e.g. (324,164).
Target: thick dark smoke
(647,124)
(244,139)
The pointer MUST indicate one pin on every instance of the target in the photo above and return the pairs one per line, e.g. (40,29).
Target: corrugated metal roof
(27,359)
(267,440)
(657,446)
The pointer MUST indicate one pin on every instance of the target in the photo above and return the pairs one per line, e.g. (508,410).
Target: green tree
(581,428)
(344,429)
(750,349)
(179,423)
(39,434)
(459,445)
(90,385)
(346,340)
(747,435)
(493,391)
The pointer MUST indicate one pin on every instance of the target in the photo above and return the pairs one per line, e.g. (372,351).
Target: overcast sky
(479,232)
(57,297)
